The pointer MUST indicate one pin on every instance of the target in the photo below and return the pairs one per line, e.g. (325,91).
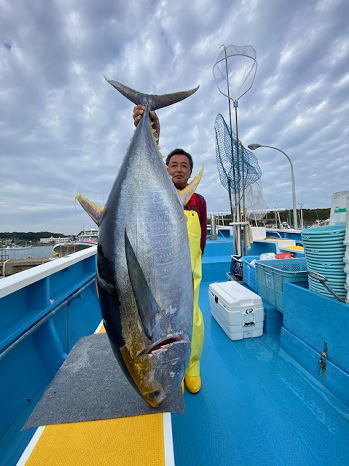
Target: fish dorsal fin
(95,211)
(146,303)
(186,193)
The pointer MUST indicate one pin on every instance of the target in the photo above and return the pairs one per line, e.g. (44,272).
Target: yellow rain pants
(194,234)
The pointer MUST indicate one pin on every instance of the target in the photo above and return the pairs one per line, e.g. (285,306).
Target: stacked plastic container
(324,251)
(272,274)
(346,257)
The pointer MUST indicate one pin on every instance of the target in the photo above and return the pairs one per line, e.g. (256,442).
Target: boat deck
(257,406)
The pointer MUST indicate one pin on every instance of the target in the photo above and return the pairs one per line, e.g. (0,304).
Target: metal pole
(236,214)
(213,228)
(294,205)
(238,181)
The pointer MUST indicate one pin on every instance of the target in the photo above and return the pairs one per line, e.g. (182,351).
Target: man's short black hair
(180,152)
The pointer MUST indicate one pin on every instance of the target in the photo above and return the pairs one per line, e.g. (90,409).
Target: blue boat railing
(44,312)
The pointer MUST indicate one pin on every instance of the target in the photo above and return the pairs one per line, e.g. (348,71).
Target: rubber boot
(193,383)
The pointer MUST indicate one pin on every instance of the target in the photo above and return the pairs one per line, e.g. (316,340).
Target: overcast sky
(64,129)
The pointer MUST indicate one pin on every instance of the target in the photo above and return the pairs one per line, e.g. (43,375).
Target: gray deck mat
(90,385)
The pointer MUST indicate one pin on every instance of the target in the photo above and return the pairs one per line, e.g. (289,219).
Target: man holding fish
(179,166)
(148,272)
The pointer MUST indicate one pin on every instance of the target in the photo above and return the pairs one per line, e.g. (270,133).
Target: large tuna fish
(144,273)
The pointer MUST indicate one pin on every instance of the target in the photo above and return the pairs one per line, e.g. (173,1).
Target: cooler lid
(233,295)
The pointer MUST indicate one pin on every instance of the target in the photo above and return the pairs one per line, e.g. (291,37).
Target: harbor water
(34,251)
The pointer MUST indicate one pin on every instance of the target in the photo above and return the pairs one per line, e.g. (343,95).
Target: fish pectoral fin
(186,193)
(146,303)
(95,211)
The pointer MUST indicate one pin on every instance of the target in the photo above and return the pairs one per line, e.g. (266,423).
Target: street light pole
(301,208)
(295,221)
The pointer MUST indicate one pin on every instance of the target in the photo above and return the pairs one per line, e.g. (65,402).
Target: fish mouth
(154,397)
(162,345)
(158,387)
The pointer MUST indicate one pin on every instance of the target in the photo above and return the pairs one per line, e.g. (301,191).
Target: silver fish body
(144,271)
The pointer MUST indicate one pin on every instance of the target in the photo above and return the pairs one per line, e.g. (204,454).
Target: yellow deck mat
(130,441)
(137,440)
(278,239)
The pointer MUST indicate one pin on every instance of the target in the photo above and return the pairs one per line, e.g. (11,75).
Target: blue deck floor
(257,407)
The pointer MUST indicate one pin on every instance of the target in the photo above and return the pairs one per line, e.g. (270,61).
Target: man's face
(179,170)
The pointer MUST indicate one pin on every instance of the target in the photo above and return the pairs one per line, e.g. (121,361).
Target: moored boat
(86,238)
(64,249)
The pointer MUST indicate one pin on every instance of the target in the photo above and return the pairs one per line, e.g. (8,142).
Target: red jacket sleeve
(203,222)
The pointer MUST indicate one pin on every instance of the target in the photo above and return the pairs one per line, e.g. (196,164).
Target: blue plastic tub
(324,251)
(249,272)
(272,274)
(328,231)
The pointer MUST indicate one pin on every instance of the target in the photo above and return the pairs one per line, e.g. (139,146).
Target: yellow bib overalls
(194,234)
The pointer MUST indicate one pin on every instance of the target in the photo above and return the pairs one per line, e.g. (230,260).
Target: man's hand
(138,111)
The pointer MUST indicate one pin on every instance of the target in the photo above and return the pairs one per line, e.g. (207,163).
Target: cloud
(63,129)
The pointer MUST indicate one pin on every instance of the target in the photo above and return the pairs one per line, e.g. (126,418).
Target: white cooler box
(238,310)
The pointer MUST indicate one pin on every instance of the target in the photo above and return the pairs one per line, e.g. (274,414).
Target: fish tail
(153,102)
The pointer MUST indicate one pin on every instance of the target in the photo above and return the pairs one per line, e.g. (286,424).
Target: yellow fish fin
(95,211)
(186,193)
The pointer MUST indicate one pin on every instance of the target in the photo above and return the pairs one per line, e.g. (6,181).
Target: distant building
(88,235)
(6,241)
(52,240)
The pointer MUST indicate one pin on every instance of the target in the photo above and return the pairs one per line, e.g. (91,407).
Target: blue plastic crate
(249,272)
(272,274)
